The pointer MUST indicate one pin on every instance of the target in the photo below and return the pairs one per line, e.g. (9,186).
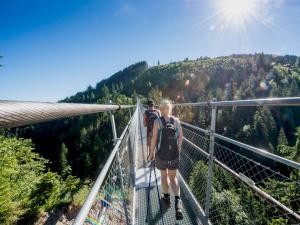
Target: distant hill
(208,77)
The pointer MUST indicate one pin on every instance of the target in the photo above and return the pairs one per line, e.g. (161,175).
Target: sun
(236,11)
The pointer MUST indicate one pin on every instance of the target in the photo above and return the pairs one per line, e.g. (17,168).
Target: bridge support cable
(20,113)
(109,201)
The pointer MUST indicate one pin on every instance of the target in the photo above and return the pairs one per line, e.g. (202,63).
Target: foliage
(156,95)
(234,203)
(264,128)
(80,196)
(228,208)
(26,188)
(289,152)
(65,169)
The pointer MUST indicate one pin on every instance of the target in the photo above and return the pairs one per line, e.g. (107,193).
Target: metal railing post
(113,126)
(210,161)
(130,115)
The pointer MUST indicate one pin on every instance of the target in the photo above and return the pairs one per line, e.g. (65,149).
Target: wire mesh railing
(243,191)
(110,201)
(246,185)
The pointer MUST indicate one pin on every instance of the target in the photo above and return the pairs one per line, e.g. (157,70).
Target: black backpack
(168,147)
(152,115)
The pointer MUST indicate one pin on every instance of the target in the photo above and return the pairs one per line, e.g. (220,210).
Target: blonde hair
(166,104)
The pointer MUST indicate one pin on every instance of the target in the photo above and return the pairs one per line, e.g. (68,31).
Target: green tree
(281,141)
(228,209)
(156,95)
(105,91)
(20,171)
(264,128)
(26,189)
(46,193)
(294,89)
(65,168)
(293,152)
(298,62)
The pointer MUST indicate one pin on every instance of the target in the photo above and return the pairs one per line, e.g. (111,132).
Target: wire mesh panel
(194,151)
(246,188)
(253,191)
(113,202)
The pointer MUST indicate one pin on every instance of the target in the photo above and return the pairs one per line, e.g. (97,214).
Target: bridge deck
(141,187)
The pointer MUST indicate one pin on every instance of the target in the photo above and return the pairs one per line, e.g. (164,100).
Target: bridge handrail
(261,152)
(290,101)
(21,113)
(81,216)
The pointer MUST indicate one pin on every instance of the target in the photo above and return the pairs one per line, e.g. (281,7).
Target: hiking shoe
(166,199)
(178,209)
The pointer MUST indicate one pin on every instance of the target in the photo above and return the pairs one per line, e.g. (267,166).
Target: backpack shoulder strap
(163,121)
(172,120)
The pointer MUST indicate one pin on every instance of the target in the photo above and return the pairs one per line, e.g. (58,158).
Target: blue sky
(53,48)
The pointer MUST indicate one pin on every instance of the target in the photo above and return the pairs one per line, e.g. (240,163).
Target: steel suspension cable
(20,113)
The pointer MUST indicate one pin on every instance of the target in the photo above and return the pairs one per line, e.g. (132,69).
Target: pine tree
(104,91)
(92,97)
(24,186)
(264,128)
(282,140)
(298,62)
(121,86)
(155,94)
(46,193)
(296,149)
(294,89)
(65,168)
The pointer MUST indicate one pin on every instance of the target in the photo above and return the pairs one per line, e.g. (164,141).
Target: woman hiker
(167,138)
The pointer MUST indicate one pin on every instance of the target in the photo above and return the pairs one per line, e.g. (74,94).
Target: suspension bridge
(209,164)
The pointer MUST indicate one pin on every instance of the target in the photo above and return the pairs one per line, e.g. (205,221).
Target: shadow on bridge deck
(141,191)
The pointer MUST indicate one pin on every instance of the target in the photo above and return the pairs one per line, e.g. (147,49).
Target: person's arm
(153,141)
(180,135)
(145,119)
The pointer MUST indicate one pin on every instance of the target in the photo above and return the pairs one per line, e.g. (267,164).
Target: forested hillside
(224,78)
(77,147)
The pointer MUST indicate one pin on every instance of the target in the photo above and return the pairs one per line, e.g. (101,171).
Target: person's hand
(151,156)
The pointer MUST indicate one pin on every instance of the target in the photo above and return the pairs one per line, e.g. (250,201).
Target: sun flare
(236,11)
